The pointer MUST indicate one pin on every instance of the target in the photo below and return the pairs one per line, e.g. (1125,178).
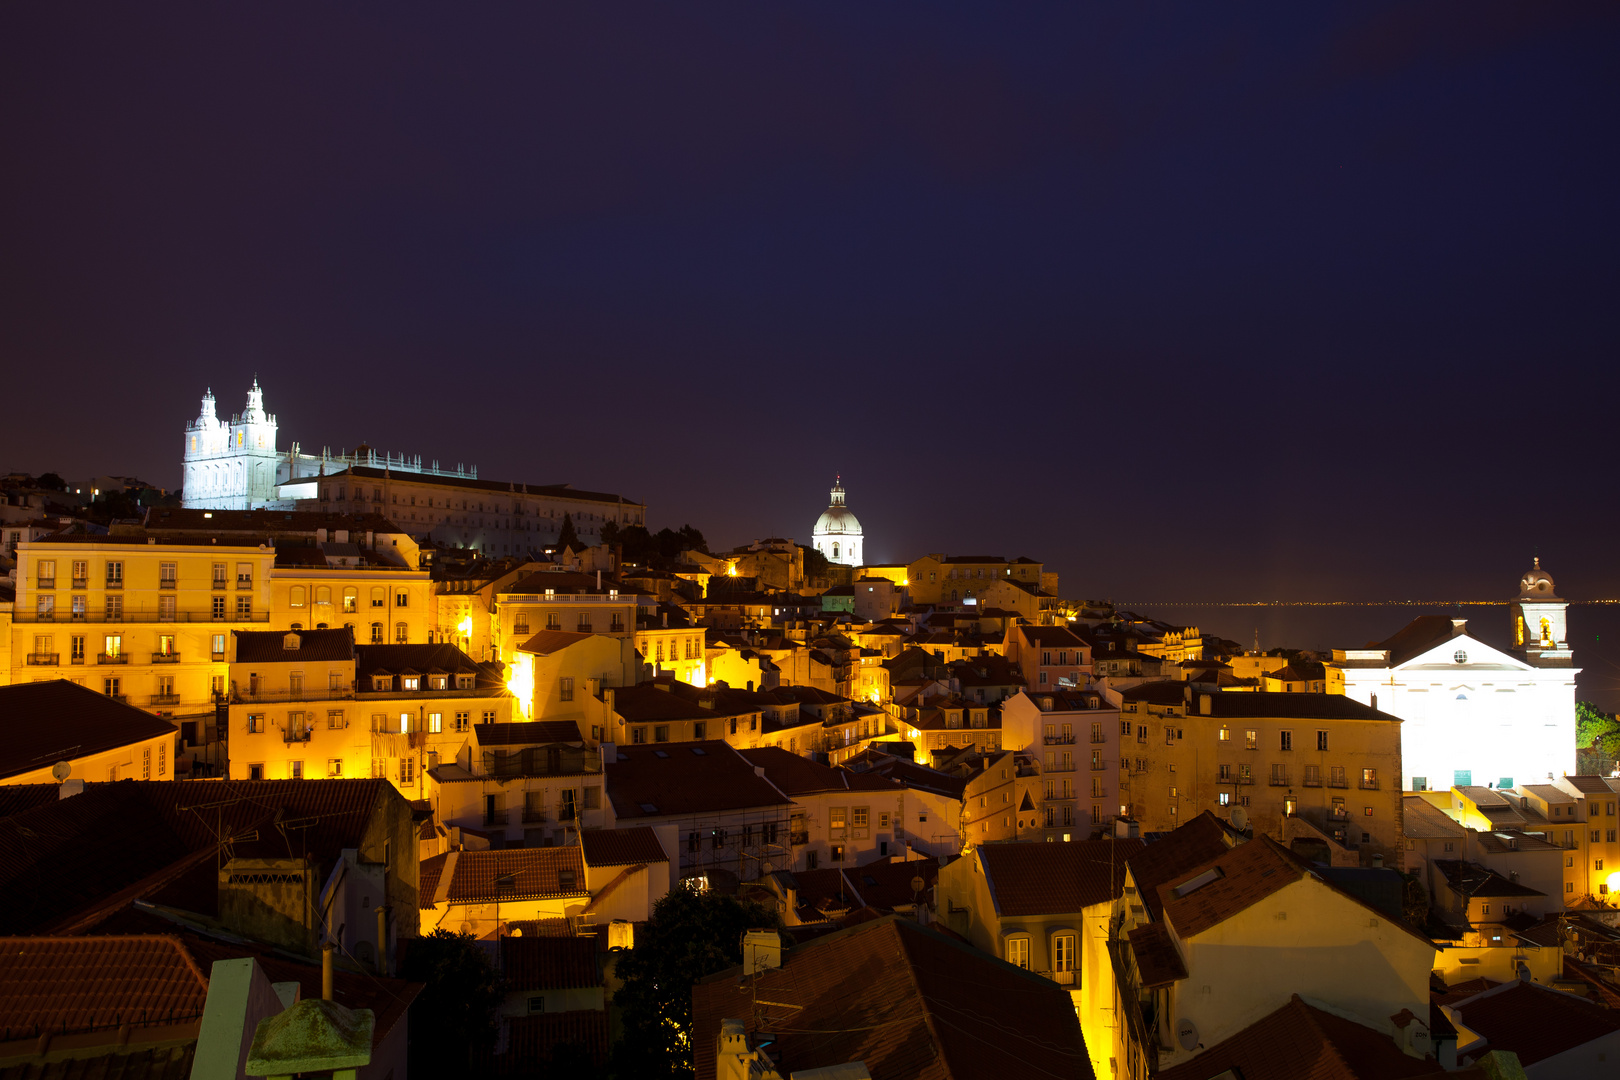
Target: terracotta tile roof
(80,983)
(47,722)
(372,660)
(1158,961)
(1299,1042)
(15,798)
(650,703)
(1418,636)
(1288,707)
(1461,991)
(883,885)
(1470,880)
(1588,785)
(1051,637)
(528,733)
(165,1063)
(1191,845)
(1598,989)
(795,776)
(533,872)
(532,1040)
(621,847)
(1420,819)
(547,642)
(549,963)
(658,780)
(1246,875)
(314,646)
(1533,1021)
(907,1001)
(1054,879)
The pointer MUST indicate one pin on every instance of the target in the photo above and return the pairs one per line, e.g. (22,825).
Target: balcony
(297,735)
(165,699)
(44,659)
(1059,766)
(566,812)
(219,583)
(256,697)
(1099,740)
(122,699)
(119,584)
(798,839)
(112,658)
(127,616)
(1062,978)
(45,583)
(534,815)
(1059,740)
(1243,781)
(495,817)
(165,658)
(244,583)
(166,583)
(1338,781)
(1369,785)
(1313,781)
(520,629)
(1280,781)
(81,583)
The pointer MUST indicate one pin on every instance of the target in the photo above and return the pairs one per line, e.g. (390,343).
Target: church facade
(837,534)
(1473,714)
(235,465)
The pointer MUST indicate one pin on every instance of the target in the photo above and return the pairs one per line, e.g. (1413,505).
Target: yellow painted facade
(149,759)
(381,606)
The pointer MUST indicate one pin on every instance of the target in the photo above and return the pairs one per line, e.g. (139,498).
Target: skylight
(1192,885)
(699,751)
(648,808)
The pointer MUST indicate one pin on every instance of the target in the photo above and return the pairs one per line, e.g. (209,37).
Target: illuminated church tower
(231,466)
(837,534)
(1540,631)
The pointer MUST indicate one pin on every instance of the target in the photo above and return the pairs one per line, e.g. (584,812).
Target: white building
(231,465)
(1472,713)
(837,534)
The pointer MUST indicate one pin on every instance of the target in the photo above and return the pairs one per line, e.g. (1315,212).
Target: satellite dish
(61,770)
(1240,818)
(1187,1034)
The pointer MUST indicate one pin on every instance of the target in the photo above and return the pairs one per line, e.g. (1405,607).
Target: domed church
(837,534)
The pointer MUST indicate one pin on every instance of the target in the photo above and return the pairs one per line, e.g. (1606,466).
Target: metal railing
(1280,781)
(497,817)
(112,658)
(81,583)
(1062,978)
(166,583)
(255,697)
(165,658)
(1244,780)
(533,815)
(1313,781)
(1058,740)
(1368,785)
(1338,782)
(45,583)
(1059,766)
(297,735)
(165,699)
(127,616)
(798,838)
(44,659)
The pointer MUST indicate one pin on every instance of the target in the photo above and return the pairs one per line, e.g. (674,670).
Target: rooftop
(549,963)
(47,722)
(1535,1022)
(794,775)
(621,847)
(668,779)
(509,874)
(294,646)
(1054,879)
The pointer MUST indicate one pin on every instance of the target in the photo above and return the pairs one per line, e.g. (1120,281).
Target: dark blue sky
(1298,299)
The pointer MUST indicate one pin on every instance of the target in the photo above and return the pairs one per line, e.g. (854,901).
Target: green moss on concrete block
(312,1036)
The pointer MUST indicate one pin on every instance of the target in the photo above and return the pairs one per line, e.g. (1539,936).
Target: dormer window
(411,682)
(291,642)
(464,682)
(382,682)
(439,682)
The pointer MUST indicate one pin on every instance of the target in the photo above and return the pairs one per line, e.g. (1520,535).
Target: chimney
(326,971)
(599,581)
(1378,862)
(762,951)
(666,620)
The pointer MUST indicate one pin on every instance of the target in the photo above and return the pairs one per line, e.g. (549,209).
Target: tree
(453,1022)
(690,935)
(636,544)
(692,540)
(50,482)
(1593,725)
(815,563)
(567,538)
(610,533)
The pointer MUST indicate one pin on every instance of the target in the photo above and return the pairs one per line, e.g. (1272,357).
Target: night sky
(1300,301)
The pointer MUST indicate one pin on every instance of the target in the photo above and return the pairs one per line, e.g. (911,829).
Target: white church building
(1472,714)
(837,534)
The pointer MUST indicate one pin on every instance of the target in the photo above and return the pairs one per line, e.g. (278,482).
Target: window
(1569,886)
(244,575)
(835,852)
(1225,774)
(1313,776)
(76,647)
(402,598)
(402,633)
(1285,740)
(407,771)
(1251,740)
(255,723)
(255,772)
(1018,952)
(1226,735)
(1063,952)
(1421,783)
(244,607)
(565,688)
(700,730)
(435,723)
(379,596)
(334,766)
(45,608)
(115,607)
(218,606)
(81,573)
(78,603)
(1225,798)
(115,575)
(351,599)
(334,720)
(463,721)
(1369,779)
(376,633)
(1321,740)
(115,647)
(661,733)
(167,572)
(295,596)
(112,686)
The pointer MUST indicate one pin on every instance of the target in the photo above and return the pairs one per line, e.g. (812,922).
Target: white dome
(1537,584)
(837,533)
(837,519)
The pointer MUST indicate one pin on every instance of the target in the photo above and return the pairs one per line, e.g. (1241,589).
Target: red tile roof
(1533,1021)
(47,722)
(532,1040)
(528,733)
(80,983)
(547,642)
(270,646)
(1191,845)
(648,703)
(907,1001)
(1299,1042)
(685,778)
(621,847)
(1246,875)
(549,963)
(534,872)
(795,775)
(1054,879)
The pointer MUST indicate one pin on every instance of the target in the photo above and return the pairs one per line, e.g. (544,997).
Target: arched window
(402,633)
(323,594)
(296,596)
(379,596)
(376,633)
(835,549)
(1546,632)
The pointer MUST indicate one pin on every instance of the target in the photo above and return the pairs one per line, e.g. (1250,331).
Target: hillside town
(279,743)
